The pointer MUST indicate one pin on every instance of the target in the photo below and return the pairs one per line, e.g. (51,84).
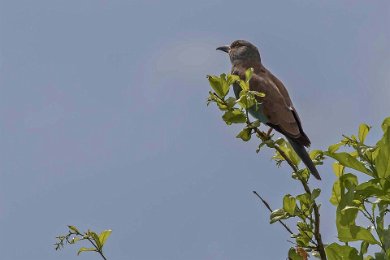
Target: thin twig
(269,208)
(97,249)
(320,245)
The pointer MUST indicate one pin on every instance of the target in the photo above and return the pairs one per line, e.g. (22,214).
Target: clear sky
(104,124)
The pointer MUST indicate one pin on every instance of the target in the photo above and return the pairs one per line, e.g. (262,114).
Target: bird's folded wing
(275,107)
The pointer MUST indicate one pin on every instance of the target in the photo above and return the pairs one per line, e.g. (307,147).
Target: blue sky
(104,121)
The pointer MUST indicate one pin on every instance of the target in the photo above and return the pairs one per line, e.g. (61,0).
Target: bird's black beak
(225,48)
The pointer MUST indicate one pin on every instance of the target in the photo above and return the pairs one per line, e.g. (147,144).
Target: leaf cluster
(75,236)
(356,200)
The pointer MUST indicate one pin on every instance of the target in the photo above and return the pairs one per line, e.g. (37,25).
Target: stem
(320,245)
(97,249)
(270,210)
(371,218)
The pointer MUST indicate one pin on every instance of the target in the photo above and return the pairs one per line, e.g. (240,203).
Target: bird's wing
(283,91)
(275,107)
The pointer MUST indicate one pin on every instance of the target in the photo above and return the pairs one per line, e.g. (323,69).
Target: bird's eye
(235,45)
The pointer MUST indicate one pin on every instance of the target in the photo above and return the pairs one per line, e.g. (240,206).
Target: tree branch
(270,210)
(320,245)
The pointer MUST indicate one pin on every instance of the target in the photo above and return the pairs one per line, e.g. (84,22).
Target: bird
(276,109)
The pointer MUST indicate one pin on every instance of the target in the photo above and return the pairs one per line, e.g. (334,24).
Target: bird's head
(241,51)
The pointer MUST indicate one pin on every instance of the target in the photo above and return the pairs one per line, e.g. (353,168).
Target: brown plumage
(277,105)
(277,110)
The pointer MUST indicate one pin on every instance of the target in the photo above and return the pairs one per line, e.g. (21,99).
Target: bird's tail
(302,153)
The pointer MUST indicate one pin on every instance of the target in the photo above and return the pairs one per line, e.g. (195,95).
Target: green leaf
(104,236)
(255,124)
(74,229)
(380,256)
(245,134)
(335,251)
(234,117)
(74,240)
(288,150)
(289,204)
(219,85)
(244,85)
(248,74)
(293,255)
(84,249)
(256,93)
(363,131)
(246,100)
(314,154)
(336,193)
(349,180)
(338,169)
(230,102)
(334,147)
(292,154)
(386,238)
(382,160)
(386,124)
(349,161)
(369,189)
(277,215)
(232,79)
(363,248)
(355,233)
(315,193)
(304,198)
(95,237)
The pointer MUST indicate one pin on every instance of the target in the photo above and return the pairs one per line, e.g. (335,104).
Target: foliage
(369,199)
(75,236)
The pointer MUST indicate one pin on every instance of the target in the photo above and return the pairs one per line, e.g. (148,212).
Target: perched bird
(276,109)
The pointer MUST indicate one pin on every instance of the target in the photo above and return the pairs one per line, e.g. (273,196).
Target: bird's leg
(269,132)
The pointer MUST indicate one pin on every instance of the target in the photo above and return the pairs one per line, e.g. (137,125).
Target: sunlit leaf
(248,74)
(349,161)
(104,236)
(293,255)
(230,102)
(338,169)
(246,100)
(336,193)
(363,247)
(289,204)
(382,160)
(355,233)
(349,180)
(234,116)
(232,79)
(84,249)
(334,147)
(95,237)
(219,85)
(74,229)
(335,251)
(363,131)
(368,189)
(315,193)
(277,215)
(386,124)
(245,134)
(315,153)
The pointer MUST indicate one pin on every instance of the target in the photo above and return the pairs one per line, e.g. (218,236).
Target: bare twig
(320,245)
(270,210)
